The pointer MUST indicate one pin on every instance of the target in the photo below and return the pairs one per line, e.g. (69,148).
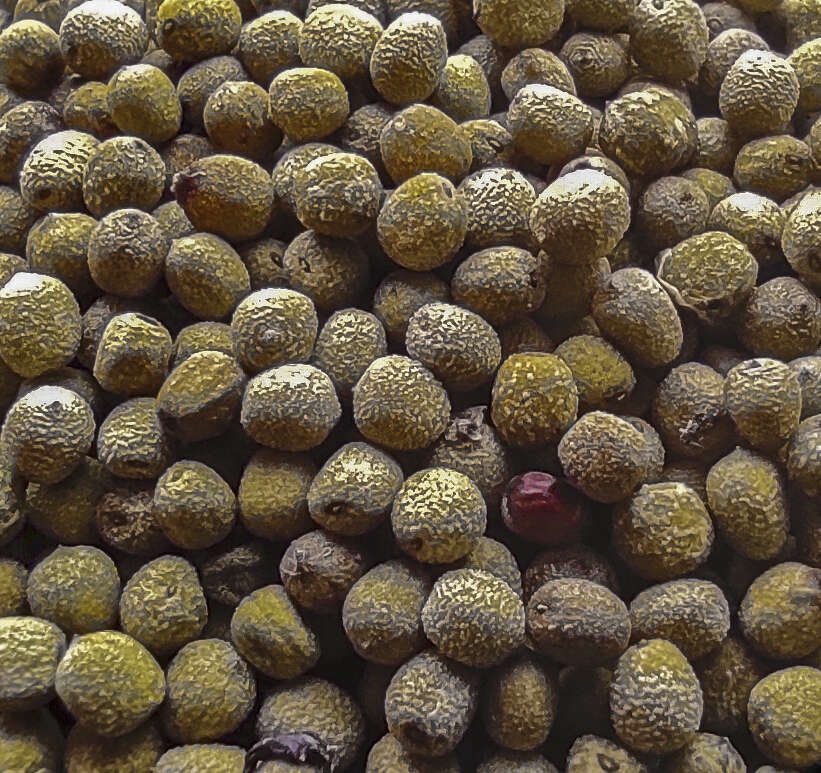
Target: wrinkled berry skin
(540,507)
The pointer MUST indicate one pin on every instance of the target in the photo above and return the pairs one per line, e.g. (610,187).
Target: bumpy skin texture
(548,124)
(191,30)
(399,404)
(288,167)
(648,133)
(763,397)
(46,434)
(272,494)
(202,337)
(710,274)
(604,456)
(199,81)
(30,741)
(132,442)
(163,606)
(716,145)
(354,490)
(759,94)
(382,612)
(331,272)
(664,531)
(746,495)
(77,588)
(501,284)
(86,110)
(51,179)
(635,313)
(805,60)
(689,412)
(203,758)
(16,217)
(30,56)
(578,622)
(132,358)
(783,716)
(135,752)
(99,37)
(655,698)
(803,457)
(511,24)
(801,238)
(13,577)
(491,556)
(519,703)
(273,326)
(438,515)
(143,102)
(781,319)
(692,614)
(123,172)
(268,632)
(290,407)
(707,753)
(41,324)
(388,754)
(422,138)
(600,372)
(598,63)
(21,128)
(430,703)
(211,690)
(401,294)
(263,260)
(780,614)
(423,223)
(195,507)
(723,51)
(126,252)
(269,44)
(507,761)
(668,42)
(535,65)
(575,561)
(401,79)
(308,103)
(581,216)
(315,706)
(125,520)
(226,195)
(109,682)
(670,210)
(463,92)
(206,275)
(30,649)
(808,372)
(776,167)
(593,754)
(474,618)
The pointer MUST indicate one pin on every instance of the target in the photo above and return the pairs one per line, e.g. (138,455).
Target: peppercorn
(30,57)
(191,31)
(143,102)
(594,754)
(269,44)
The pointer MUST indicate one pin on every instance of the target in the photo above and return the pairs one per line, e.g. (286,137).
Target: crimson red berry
(544,509)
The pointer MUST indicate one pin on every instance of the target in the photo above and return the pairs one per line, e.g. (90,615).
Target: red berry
(544,509)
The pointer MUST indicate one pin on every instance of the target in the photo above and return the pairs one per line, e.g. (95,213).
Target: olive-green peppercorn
(759,94)
(655,698)
(474,617)
(207,675)
(75,587)
(401,294)
(41,324)
(800,240)
(47,432)
(308,103)
(519,26)
(231,573)
(337,195)
(143,102)
(16,217)
(524,335)
(31,648)
(202,337)
(763,397)
(599,370)
(438,515)
(132,358)
(263,260)
(30,58)
(57,245)
(22,127)
(776,167)
(648,132)
(430,703)
(401,79)
(598,63)
(86,110)
(137,751)
(490,143)
(331,272)
(783,716)
(422,138)
(199,81)
(289,165)
(572,562)
(272,494)
(670,210)
(13,578)
(269,44)
(31,740)
(663,532)
(125,520)
(463,92)
(389,754)
(290,407)
(780,614)
(534,66)
(808,372)
(578,622)
(126,252)
(319,708)
(191,30)
(707,753)
(109,682)
(12,264)
(267,631)
(803,461)
(593,754)
(716,146)
(132,441)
